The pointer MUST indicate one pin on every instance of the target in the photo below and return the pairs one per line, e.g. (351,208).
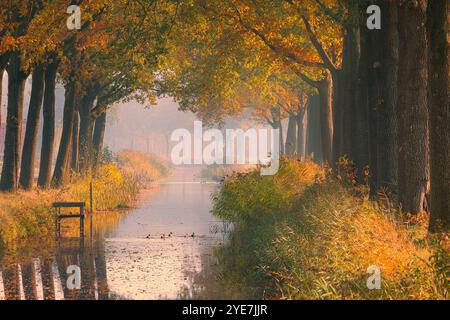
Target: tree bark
(302,127)
(387,150)
(314,135)
(326,118)
(85,137)
(361,117)
(32,129)
(60,173)
(291,137)
(276,124)
(2,71)
(16,85)
(48,127)
(86,130)
(350,61)
(338,116)
(439,108)
(279,126)
(375,99)
(75,143)
(4,59)
(99,135)
(413,166)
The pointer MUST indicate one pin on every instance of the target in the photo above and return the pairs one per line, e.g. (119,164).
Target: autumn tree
(38,49)
(298,46)
(116,66)
(19,17)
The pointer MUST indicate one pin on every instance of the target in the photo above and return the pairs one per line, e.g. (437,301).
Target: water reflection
(156,268)
(46,277)
(126,255)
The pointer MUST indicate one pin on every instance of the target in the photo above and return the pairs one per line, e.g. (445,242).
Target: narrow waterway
(160,250)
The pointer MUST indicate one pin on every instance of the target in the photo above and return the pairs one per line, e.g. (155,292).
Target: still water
(163,249)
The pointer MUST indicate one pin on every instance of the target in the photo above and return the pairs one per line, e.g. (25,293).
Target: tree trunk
(413,166)
(31,133)
(361,117)
(16,85)
(60,173)
(375,99)
(338,114)
(326,118)
(75,145)
(2,71)
(280,127)
(276,116)
(85,134)
(387,151)
(439,108)
(291,137)
(302,126)
(48,127)
(314,135)
(349,78)
(99,135)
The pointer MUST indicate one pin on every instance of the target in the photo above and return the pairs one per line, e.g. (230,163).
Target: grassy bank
(303,234)
(116,184)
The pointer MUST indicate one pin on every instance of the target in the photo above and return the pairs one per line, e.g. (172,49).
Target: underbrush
(303,234)
(29,213)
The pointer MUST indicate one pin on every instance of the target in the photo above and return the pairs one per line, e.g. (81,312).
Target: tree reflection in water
(46,278)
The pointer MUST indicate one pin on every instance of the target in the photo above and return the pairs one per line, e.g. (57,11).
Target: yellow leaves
(8,43)
(236,52)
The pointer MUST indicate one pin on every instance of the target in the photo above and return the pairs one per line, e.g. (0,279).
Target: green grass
(303,235)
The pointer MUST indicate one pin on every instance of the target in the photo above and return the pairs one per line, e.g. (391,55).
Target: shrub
(111,188)
(246,196)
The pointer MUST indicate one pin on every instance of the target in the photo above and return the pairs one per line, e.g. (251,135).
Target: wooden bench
(80,215)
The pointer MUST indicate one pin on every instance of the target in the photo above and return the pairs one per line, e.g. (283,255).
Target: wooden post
(91,210)
(90,198)
(56,225)
(81,222)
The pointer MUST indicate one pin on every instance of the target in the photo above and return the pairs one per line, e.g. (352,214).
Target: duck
(148,236)
(163,236)
(192,235)
(170,234)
